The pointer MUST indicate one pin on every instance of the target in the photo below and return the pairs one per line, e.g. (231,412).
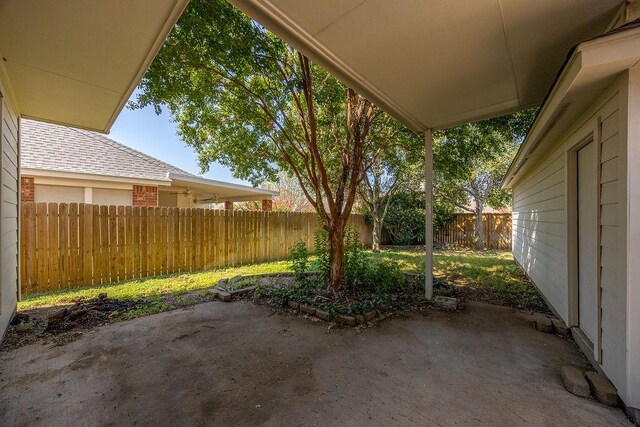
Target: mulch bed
(466,292)
(59,326)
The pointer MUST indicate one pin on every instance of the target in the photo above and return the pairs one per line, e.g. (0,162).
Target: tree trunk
(336,259)
(479,227)
(377,229)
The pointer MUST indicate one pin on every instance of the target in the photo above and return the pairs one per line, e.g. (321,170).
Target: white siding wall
(59,194)
(541,233)
(539,228)
(9,209)
(612,283)
(104,196)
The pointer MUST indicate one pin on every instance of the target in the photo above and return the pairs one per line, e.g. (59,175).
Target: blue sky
(156,135)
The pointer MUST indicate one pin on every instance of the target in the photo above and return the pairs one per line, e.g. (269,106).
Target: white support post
(428,213)
(88,195)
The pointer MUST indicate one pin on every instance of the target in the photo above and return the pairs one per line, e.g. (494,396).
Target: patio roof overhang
(589,70)
(77,62)
(435,64)
(218,191)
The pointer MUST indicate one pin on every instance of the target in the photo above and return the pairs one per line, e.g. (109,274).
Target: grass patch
(151,288)
(490,276)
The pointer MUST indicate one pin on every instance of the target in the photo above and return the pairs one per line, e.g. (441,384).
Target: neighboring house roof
(55,149)
(58,148)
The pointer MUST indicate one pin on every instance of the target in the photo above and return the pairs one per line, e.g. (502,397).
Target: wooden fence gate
(461,231)
(77,245)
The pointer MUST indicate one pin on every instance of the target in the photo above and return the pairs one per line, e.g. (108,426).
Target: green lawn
(490,276)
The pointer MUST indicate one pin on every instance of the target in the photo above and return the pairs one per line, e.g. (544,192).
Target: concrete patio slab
(235,364)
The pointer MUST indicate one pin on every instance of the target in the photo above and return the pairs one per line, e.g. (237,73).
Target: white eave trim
(587,55)
(92,177)
(220,184)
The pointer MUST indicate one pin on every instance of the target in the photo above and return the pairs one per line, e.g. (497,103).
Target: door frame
(590,134)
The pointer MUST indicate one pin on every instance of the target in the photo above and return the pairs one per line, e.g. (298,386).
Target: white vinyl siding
(103,196)
(613,290)
(58,194)
(9,190)
(540,227)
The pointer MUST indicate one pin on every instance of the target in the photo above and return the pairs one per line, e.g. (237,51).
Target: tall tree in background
(397,168)
(290,199)
(471,160)
(242,97)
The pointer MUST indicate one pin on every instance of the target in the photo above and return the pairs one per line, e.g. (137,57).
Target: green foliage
(237,95)
(355,260)
(471,160)
(362,272)
(405,218)
(242,97)
(299,258)
(443,213)
(380,283)
(322,263)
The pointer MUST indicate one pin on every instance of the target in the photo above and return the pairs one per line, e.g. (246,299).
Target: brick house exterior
(145,195)
(27,189)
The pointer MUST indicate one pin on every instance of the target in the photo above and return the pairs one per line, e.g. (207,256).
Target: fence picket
(63,230)
(28,254)
(76,245)
(460,231)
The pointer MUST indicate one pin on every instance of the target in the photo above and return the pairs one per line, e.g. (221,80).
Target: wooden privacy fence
(461,231)
(76,245)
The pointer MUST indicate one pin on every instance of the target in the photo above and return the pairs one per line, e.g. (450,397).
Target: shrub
(299,258)
(405,218)
(362,271)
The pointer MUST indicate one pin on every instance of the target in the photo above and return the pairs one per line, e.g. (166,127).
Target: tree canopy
(244,98)
(471,160)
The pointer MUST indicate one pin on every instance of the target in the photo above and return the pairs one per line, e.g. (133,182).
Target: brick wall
(27,189)
(145,195)
(267,205)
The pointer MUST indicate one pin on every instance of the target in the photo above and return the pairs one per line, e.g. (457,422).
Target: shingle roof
(59,148)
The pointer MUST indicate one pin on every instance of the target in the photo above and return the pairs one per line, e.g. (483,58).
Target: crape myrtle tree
(471,160)
(244,98)
(397,169)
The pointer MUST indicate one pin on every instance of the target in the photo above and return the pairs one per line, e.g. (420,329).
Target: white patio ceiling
(437,63)
(77,62)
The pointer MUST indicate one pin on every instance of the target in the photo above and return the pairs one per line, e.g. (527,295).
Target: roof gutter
(92,177)
(204,181)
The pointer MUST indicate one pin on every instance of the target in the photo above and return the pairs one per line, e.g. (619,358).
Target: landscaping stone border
(218,291)
(547,323)
(359,319)
(346,320)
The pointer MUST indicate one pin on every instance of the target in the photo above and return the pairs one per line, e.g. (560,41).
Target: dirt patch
(60,325)
(532,301)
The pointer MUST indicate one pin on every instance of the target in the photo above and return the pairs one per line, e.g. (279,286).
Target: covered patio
(234,364)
